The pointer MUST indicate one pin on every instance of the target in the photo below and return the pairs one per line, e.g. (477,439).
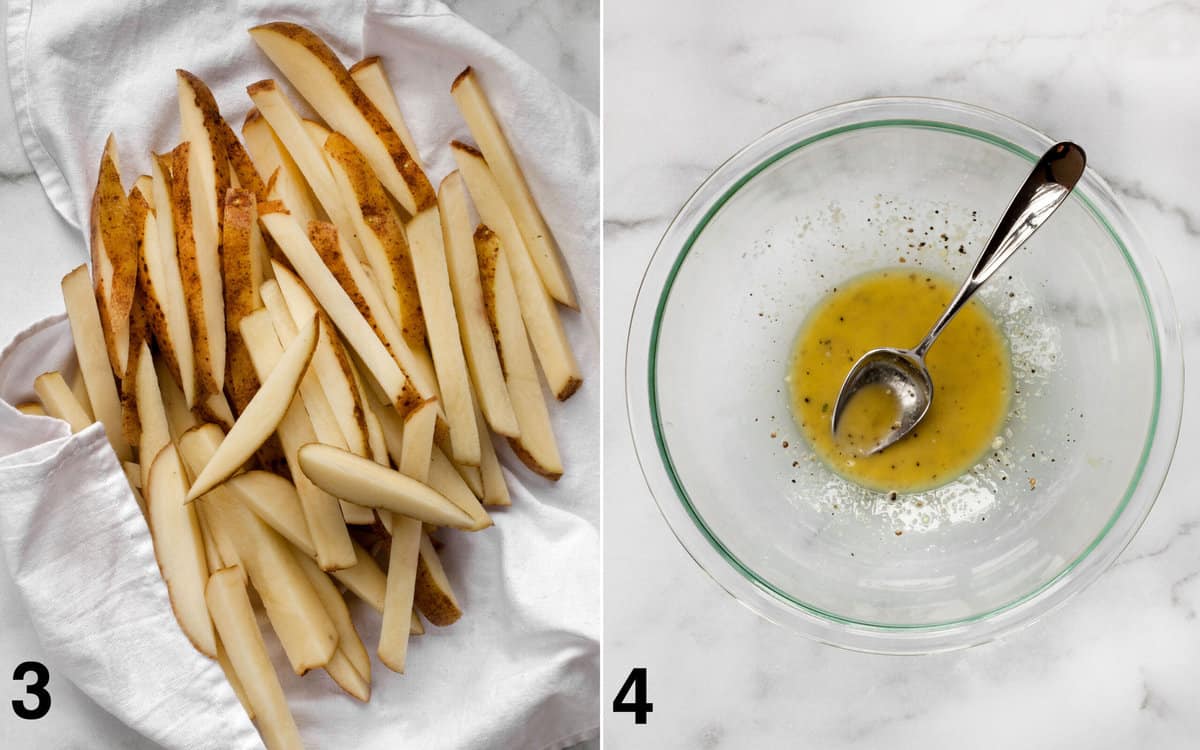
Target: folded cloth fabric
(520,669)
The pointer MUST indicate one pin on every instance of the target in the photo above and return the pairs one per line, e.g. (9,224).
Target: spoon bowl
(902,372)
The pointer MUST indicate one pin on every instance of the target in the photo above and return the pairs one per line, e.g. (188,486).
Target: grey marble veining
(687,84)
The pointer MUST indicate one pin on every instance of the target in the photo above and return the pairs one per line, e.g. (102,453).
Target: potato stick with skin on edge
(165,272)
(243,642)
(303,256)
(434,597)
(481,121)
(59,402)
(381,232)
(538,311)
(154,305)
(273,161)
(139,334)
(298,616)
(241,265)
(315,71)
(114,258)
(288,127)
(207,175)
(433,279)
(262,415)
(375,439)
(93,358)
(536,447)
(348,230)
(368,73)
(178,545)
(353,278)
(478,342)
(321,511)
(330,362)
(200,272)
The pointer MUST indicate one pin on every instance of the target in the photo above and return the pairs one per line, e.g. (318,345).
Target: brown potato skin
(381,218)
(430,600)
(110,222)
(422,190)
(323,236)
(213,123)
(241,164)
(189,271)
(487,248)
(241,381)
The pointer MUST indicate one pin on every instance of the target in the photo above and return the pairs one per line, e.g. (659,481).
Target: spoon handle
(1048,185)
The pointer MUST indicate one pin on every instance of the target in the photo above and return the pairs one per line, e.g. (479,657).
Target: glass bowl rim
(705,546)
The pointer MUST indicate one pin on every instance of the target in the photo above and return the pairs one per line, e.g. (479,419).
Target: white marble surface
(687,84)
(561,39)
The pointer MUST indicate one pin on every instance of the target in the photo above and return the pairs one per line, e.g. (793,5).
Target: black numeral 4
(639,706)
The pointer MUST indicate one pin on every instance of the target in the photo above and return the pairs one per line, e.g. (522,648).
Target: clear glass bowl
(856,187)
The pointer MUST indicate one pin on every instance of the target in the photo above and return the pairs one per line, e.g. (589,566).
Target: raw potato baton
(93,359)
(243,642)
(434,597)
(207,177)
(59,402)
(536,447)
(114,258)
(242,266)
(179,548)
(362,481)
(262,415)
(477,339)
(312,67)
(541,317)
(368,74)
(473,104)
(321,511)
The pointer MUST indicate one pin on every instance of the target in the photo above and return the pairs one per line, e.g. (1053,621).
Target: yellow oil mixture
(969,365)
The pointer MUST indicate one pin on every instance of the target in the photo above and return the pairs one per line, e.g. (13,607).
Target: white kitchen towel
(520,669)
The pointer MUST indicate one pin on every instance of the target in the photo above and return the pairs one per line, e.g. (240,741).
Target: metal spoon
(903,371)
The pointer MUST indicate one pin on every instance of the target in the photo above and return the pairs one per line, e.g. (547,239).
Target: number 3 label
(35,690)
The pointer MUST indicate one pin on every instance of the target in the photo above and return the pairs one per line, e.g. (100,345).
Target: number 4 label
(639,706)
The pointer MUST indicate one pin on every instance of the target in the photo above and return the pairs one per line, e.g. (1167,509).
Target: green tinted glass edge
(665,454)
